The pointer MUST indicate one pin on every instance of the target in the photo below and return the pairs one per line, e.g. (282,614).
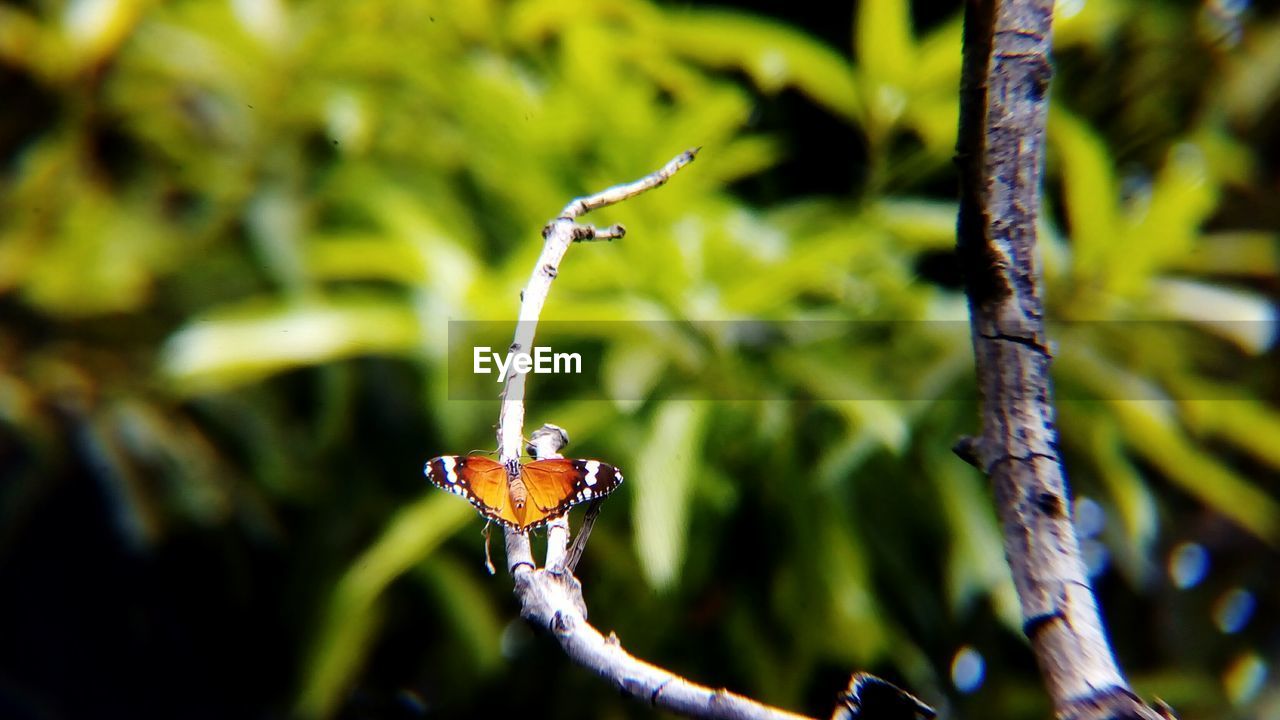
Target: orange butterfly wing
(553,486)
(557,484)
(483,482)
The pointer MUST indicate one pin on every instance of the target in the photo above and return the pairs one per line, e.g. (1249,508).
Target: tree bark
(1003,108)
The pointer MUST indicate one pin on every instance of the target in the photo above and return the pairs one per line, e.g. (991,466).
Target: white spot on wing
(593,467)
(586,493)
(447,465)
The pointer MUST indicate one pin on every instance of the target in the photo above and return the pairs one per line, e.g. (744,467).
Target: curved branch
(553,601)
(558,235)
(552,597)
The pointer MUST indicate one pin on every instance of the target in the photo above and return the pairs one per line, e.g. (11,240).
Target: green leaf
(880,419)
(666,469)
(1244,318)
(1151,433)
(352,615)
(1090,190)
(885,43)
(234,347)
(938,58)
(363,256)
(1247,424)
(1166,224)
(774,55)
(857,626)
(468,610)
(920,223)
(975,564)
(1133,498)
(1253,254)
(840,460)
(631,370)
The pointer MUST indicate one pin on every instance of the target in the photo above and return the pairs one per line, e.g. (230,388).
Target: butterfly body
(527,499)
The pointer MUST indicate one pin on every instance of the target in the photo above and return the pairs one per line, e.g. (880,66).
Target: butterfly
(544,490)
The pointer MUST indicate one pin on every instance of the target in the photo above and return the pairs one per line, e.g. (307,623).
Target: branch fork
(551,597)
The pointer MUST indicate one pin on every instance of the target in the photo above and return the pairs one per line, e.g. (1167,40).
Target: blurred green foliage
(232,235)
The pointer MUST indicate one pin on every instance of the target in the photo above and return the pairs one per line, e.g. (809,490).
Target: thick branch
(553,601)
(1000,154)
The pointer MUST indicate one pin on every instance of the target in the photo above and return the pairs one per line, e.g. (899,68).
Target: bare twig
(559,234)
(554,601)
(1000,150)
(616,194)
(552,597)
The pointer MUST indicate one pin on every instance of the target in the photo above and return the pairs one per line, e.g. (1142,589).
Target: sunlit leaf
(775,56)
(1245,318)
(1247,424)
(630,372)
(920,223)
(665,470)
(94,29)
(348,256)
(1090,191)
(1165,223)
(938,56)
(886,56)
(232,348)
(1150,433)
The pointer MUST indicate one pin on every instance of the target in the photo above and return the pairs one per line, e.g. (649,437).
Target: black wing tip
(582,465)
